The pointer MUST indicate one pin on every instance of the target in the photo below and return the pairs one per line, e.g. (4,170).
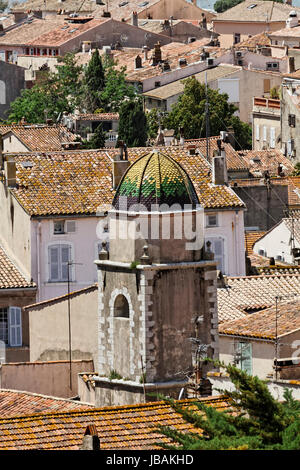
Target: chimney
(231,137)
(192,149)
(138,62)
(134,19)
(120,164)
(219,169)
(157,54)
(145,49)
(181,136)
(91,440)
(10,173)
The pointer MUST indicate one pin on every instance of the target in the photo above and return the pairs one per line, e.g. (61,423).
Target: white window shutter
(65,249)
(257,132)
(289,147)
(264,133)
(272,137)
(53,263)
(15,326)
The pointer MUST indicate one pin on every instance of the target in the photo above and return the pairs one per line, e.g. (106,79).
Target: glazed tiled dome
(152,180)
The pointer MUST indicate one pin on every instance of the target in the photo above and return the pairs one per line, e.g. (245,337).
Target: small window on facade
(157,84)
(212,220)
(292,120)
(11,326)
(121,307)
(59,227)
(217,247)
(257,132)
(237,38)
(71,226)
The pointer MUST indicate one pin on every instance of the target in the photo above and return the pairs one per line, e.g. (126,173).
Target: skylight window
(252,6)
(123,4)
(73,30)
(65,27)
(143,4)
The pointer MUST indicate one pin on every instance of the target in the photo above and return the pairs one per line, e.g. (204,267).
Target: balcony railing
(267,102)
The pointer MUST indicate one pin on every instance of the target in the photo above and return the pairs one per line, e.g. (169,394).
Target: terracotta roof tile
(251,293)
(242,12)
(263,323)
(10,276)
(130,427)
(261,39)
(258,161)
(78,182)
(26,32)
(40,137)
(16,403)
(98,117)
(234,159)
(250,239)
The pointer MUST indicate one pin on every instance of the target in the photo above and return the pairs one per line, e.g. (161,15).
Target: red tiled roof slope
(10,276)
(130,427)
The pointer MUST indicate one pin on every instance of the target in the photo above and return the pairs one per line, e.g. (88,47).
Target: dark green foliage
(296,171)
(116,88)
(189,114)
(98,139)
(3,5)
(54,94)
(223,5)
(257,420)
(94,81)
(133,124)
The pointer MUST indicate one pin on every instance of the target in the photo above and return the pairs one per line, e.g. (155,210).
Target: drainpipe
(38,243)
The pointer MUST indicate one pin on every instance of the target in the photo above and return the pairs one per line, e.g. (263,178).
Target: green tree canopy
(98,139)
(256,420)
(189,114)
(296,171)
(53,94)
(133,124)
(116,88)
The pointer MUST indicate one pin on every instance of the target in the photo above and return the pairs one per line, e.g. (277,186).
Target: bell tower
(157,285)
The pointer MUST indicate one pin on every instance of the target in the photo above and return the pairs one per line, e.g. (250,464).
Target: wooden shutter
(267,85)
(15,326)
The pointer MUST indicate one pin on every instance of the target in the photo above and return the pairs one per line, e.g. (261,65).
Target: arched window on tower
(121,307)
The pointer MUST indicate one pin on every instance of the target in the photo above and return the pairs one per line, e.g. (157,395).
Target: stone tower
(156,289)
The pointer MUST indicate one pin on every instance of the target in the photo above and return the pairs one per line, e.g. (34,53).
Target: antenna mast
(207,119)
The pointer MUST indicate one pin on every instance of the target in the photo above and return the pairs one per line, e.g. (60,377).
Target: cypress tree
(98,139)
(94,79)
(133,124)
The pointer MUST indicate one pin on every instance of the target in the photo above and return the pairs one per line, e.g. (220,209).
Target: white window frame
(207,220)
(60,245)
(265,133)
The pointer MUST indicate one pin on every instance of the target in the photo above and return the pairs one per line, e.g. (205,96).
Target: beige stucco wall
(52,379)
(15,231)
(262,120)
(227,29)
(12,144)
(288,106)
(263,353)
(49,328)
(179,9)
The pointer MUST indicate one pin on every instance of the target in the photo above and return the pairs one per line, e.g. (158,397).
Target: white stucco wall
(12,144)
(84,252)
(277,242)
(231,229)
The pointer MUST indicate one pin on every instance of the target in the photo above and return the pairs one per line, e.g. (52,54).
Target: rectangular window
(4,325)
(212,220)
(59,227)
(237,38)
(292,120)
(272,137)
(243,356)
(71,226)
(59,257)
(11,326)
